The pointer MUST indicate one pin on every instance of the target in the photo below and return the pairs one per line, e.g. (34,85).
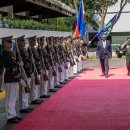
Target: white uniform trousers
(75,67)
(57,77)
(11,97)
(66,72)
(62,74)
(51,79)
(84,63)
(24,97)
(71,71)
(43,85)
(79,64)
(34,89)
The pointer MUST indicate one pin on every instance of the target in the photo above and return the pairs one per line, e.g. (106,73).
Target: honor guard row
(32,67)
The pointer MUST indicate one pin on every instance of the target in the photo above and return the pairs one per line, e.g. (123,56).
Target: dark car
(120,52)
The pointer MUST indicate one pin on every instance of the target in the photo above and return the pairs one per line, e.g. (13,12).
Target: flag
(84,11)
(77,31)
(108,28)
(80,29)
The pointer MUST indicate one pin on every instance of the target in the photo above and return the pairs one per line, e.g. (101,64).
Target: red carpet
(86,104)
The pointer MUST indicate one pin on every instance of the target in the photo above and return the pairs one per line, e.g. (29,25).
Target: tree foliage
(89,12)
(101,8)
(97,7)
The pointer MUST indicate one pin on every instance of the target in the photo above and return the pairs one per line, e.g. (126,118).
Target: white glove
(89,42)
(68,60)
(42,71)
(32,76)
(22,82)
(33,61)
(21,63)
(75,57)
(57,64)
(50,68)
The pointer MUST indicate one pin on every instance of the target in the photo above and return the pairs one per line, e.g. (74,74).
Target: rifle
(64,59)
(52,66)
(45,77)
(75,52)
(72,56)
(37,82)
(80,51)
(58,58)
(24,83)
(69,54)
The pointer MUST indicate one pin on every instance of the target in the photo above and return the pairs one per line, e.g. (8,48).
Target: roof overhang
(45,8)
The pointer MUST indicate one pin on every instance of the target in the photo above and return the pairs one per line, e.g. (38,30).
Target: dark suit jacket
(101,51)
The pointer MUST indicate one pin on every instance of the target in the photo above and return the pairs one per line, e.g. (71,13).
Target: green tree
(101,7)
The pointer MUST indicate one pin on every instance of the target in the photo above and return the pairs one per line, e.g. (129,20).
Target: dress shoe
(106,76)
(36,102)
(72,77)
(52,90)
(128,73)
(39,100)
(31,109)
(19,118)
(25,111)
(62,82)
(57,86)
(45,96)
(13,120)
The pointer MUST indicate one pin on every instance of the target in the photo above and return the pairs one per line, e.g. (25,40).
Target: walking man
(104,53)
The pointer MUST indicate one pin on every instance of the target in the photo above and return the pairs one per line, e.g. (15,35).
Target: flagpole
(93,39)
(87,35)
(114,18)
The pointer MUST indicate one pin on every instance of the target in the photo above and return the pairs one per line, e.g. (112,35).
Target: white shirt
(104,43)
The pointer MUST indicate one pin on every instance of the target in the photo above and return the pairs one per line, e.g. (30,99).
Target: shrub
(31,24)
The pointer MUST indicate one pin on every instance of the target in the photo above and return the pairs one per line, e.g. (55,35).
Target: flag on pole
(84,11)
(108,28)
(81,27)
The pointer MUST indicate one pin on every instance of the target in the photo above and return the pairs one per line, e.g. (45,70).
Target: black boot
(13,120)
(128,69)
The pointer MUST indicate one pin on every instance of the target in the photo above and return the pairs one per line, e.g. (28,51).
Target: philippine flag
(81,27)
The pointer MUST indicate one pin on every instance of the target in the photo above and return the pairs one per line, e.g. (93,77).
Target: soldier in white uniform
(51,58)
(12,77)
(35,80)
(45,68)
(27,65)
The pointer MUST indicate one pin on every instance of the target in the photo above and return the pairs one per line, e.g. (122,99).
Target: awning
(46,8)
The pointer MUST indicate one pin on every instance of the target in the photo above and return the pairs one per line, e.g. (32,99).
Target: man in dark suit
(104,53)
